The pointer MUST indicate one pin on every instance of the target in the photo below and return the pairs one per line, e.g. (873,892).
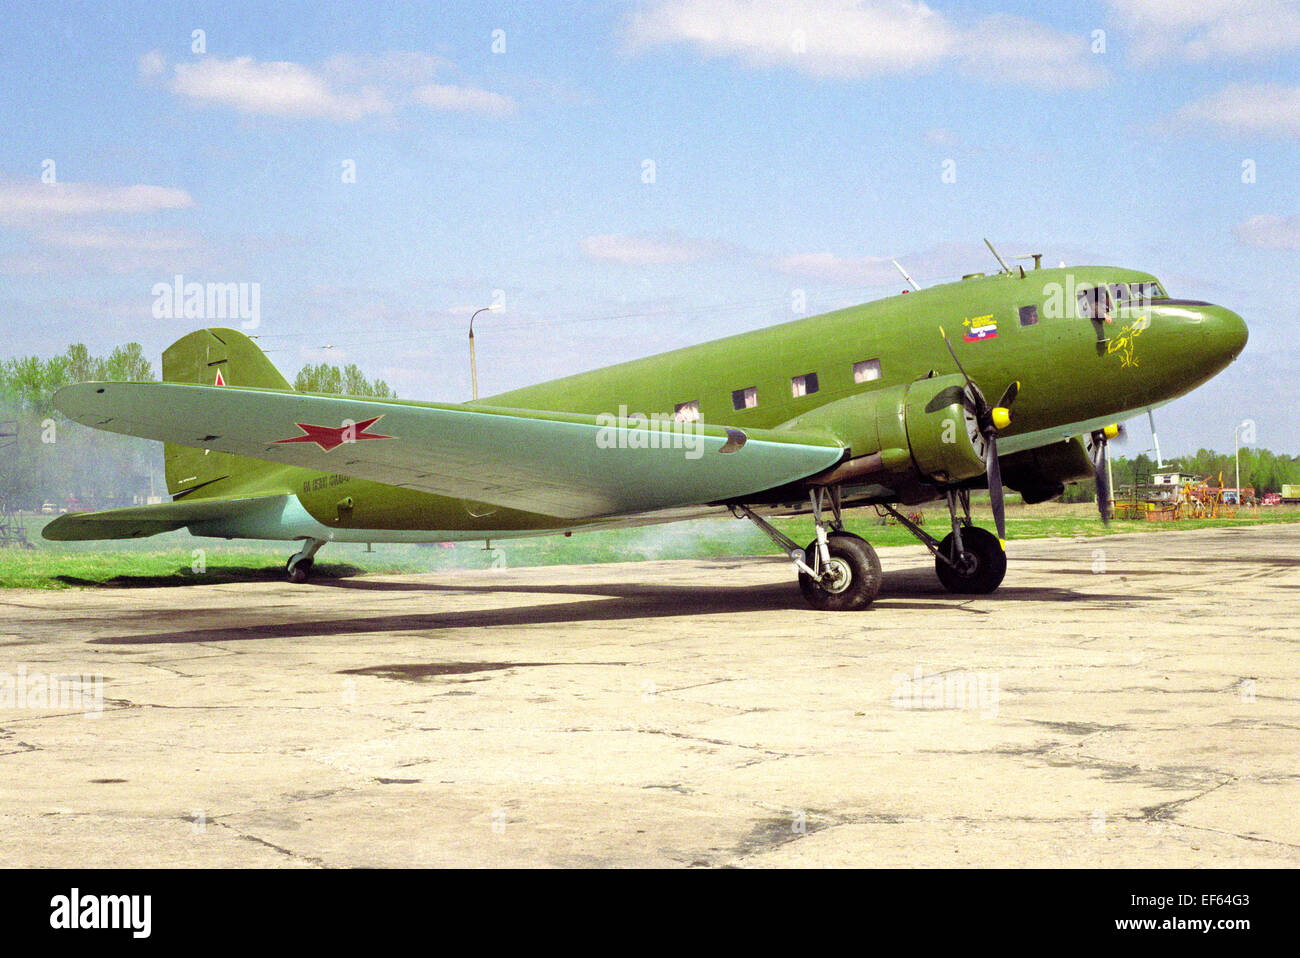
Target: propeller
(990,419)
(1100,443)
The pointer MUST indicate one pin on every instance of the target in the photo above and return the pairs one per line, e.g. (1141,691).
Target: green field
(172,559)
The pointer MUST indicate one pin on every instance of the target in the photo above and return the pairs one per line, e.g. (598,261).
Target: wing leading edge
(566,465)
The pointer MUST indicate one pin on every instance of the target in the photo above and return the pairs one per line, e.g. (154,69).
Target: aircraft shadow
(612,602)
(216,575)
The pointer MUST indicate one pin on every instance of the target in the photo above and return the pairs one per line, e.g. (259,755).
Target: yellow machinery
(1192,499)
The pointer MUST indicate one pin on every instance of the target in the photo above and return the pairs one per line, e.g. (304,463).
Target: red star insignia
(329,437)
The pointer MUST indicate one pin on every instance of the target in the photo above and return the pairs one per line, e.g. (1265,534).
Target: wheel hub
(836,576)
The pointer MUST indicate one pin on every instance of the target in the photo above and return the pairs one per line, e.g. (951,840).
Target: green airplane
(883,404)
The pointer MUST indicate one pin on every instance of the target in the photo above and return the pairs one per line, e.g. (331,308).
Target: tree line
(1262,469)
(348,381)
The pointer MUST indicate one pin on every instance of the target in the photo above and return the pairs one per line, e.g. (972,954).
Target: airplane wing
(135,522)
(560,464)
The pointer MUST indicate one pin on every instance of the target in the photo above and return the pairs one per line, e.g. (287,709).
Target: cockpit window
(1145,292)
(1094,303)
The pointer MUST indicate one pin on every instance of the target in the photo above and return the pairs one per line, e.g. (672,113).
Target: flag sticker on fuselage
(980,328)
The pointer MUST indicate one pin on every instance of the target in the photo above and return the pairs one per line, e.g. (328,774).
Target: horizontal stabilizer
(136,522)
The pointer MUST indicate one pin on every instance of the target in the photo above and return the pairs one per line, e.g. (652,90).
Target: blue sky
(796,146)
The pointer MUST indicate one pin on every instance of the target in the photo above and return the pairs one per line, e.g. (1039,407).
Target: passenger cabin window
(804,385)
(1094,303)
(687,411)
(866,371)
(745,398)
(1028,315)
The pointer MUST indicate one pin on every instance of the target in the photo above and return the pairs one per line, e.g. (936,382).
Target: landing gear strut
(298,566)
(838,571)
(969,560)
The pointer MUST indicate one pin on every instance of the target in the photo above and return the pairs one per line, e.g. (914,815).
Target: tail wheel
(300,571)
(979,569)
(853,575)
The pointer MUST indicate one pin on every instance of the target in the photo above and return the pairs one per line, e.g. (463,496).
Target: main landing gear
(969,560)
(298,566)
(838,571)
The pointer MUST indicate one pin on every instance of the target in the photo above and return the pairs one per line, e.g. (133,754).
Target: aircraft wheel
(299,572)
(979,569)
(855,575)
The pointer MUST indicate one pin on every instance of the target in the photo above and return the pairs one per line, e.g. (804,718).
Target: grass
(178,559)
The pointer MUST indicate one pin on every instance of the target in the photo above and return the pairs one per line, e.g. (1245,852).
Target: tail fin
(218,357)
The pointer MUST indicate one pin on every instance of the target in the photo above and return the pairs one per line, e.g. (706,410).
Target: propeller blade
(976,403)
(953,354)
(994,473)
(1104,503)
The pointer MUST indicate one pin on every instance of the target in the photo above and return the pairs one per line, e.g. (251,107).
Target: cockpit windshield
(1097,302)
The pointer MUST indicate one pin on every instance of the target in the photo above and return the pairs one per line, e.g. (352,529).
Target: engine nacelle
(896,436)
(1041,474)
(943,436)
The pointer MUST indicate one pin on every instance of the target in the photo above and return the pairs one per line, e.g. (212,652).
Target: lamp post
(1236,455)
(473,368)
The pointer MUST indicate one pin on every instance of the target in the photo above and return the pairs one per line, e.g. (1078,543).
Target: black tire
(982,567)
(860,577)
(298,572)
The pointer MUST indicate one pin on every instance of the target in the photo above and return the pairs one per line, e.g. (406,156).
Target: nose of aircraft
(1225,332)
(1209,336)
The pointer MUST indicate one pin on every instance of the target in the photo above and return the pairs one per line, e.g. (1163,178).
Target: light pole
(473,368)
(1236,455)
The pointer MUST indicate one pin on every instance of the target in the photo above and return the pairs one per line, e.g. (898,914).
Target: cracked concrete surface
(675,713)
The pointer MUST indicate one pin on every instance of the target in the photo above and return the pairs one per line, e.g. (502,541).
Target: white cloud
(277,88)
(942,137)
(935,264)
(344,88)
(1258,108)
(396,66)
(855,38)
(640,249)
(1207,29)
(35,200)
(151,64)
(1267,231)
(463,99)
(95,249)
(847,271)
(105,239)
(1022,52)
(831,37)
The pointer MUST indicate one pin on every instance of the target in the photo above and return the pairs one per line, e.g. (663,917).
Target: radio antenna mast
(911,282)
(1001,261)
